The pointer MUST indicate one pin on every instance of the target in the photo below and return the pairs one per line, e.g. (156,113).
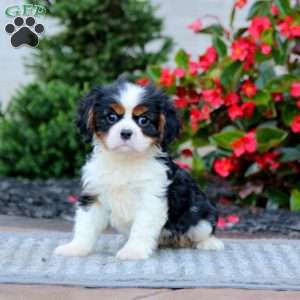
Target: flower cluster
(242,96)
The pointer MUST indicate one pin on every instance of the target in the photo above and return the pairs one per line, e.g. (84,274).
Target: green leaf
(232,16)
(284,6)
(268,138)
(288,112)
(259,8)
(289,154)
(266,73)
(240,32)
(215,29)
(278,197)
(262,98)
(281,84)
(199,142)
(295,200)
(280,52)
(267,36)
(252,169)
(226,138)
(198,165)
(153,73)
(220,46)
(231,74)
(182,59)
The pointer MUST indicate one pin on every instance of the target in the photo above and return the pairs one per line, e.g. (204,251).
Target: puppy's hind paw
(211,243)
(72,249)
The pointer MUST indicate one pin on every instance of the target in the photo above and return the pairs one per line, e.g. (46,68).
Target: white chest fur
(122,182)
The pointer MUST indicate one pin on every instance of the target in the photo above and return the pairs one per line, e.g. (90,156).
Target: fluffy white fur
(132,201)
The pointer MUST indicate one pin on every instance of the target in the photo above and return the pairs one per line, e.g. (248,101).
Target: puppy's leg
(202,236)
(89,222)
(144,235)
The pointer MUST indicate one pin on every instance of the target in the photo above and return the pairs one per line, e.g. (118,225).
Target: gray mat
(271,264)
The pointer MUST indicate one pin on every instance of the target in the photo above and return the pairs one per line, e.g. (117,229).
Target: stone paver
(42,292)
(20,292)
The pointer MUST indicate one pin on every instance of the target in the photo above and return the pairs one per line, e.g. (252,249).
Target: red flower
(258,26)
(295,89)
(213,97)
(239,49)
(239,111)
(249,88)
(195,26)
(224,166)
(187,152)
(193,68)
(208,58)
(197,115)
(285,27)
(183,165)
(295,125)
(231,98)
(179,72)
(143,81)
(72,198)
(244,50)
(240,3)
(166,78)
(265,49)
(295,29)
(194,97)
(181,102)
(235,111)
(245,144)
(233,219)
(268,160)
(221,223)
(181,91)
(298,103)
(274,10)
(277,97)
(248,109)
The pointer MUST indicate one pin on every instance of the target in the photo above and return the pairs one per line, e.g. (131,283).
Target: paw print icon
(24,33)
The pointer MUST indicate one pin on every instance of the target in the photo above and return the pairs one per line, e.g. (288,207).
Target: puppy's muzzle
(126,134)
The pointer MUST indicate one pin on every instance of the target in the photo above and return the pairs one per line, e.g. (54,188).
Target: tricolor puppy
(130,180)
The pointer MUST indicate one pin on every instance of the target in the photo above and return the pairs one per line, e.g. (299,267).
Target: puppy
(130,180)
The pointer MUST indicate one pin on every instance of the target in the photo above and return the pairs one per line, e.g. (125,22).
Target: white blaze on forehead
(130,96)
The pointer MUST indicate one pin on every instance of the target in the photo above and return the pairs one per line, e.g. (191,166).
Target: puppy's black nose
(126,134)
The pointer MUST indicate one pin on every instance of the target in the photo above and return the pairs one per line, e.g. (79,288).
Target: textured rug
(268,264)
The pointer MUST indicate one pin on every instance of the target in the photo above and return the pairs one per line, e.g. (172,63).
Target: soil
(52,199)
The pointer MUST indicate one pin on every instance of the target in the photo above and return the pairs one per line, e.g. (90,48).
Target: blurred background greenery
(99,41)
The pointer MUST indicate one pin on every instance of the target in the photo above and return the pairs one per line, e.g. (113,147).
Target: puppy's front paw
(211,244)
(72,249)
(133,252)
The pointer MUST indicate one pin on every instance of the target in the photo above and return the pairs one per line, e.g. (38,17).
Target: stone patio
(37,292)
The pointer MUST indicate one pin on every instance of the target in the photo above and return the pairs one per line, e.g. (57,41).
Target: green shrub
(98,41)
(38,134)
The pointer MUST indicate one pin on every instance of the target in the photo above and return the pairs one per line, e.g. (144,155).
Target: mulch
(55,198)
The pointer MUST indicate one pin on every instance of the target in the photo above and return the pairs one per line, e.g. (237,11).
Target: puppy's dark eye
(143,121)
(112,118)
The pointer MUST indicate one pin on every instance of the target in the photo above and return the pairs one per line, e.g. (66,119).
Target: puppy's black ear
(172,126)
(85,115)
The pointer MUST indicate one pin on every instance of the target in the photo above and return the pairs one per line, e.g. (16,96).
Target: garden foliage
(241,97)
(98,40)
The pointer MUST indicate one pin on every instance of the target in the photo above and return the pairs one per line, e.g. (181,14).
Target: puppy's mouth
(125,146)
